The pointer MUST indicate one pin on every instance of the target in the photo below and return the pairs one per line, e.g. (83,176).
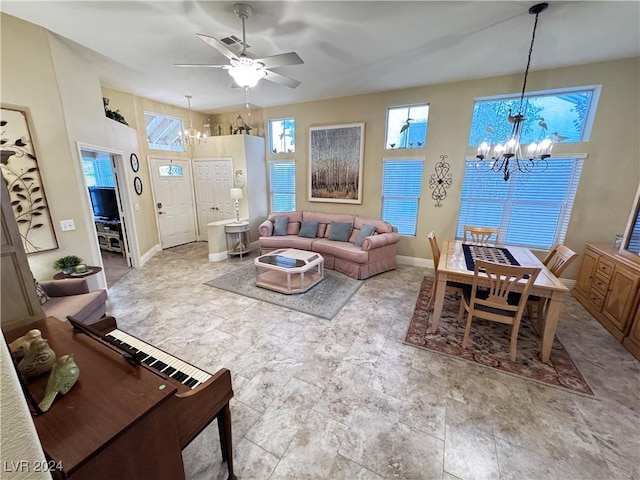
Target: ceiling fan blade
(281,79)
(218,45)
(281,60)
(205,65)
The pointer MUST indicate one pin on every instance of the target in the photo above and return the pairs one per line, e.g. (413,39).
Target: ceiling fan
(245,69)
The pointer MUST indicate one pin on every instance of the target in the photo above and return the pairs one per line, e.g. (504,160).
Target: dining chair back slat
(480,234)
(559,258)
(500,301)
(435,253)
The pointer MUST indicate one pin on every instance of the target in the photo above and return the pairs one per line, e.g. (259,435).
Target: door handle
(160,213)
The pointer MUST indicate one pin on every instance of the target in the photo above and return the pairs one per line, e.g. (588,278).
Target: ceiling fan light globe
(247,77)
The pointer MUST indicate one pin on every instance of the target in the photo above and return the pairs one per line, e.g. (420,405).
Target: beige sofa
(376,255)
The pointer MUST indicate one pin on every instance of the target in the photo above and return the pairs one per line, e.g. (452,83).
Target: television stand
(109,235)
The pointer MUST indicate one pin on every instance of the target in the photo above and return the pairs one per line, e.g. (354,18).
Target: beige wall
(66,105)
(609,178)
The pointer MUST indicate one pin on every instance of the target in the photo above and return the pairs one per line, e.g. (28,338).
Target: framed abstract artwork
(336,154)
(19,166)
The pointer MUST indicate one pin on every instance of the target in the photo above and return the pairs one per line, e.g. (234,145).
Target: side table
(90,271)
(237,234)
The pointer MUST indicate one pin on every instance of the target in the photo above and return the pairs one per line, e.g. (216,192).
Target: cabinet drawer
(605,268)
(596,298)
(600,283)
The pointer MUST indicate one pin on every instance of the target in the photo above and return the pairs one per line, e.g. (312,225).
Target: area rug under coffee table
(324,300)
(489,344)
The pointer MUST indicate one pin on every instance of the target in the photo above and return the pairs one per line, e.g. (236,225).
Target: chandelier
(192,137)
(507,158)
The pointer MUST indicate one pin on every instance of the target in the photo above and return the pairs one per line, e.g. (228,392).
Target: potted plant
(67,264)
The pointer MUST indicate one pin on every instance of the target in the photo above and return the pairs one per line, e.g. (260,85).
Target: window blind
(282,180)
(531,209)
(401,187)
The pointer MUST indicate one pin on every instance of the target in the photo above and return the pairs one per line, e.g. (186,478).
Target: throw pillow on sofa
(365,231)
(308,229)
(340,231)
(280,226)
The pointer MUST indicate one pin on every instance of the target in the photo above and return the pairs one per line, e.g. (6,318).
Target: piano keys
(158,360)
(122,420)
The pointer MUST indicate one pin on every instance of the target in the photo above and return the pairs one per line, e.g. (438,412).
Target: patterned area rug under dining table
(489,344)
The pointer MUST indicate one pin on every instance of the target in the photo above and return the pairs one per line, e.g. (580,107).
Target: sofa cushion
(293,216)
(280,225)
(340,231)
(365,231)
(381,225)
(78,306)
(325,220)
(309,229)
(344,250)
(289,241)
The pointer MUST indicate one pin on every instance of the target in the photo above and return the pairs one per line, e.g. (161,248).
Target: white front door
(213,182)
(173,194)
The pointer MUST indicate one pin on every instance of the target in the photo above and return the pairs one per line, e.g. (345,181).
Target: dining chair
(499,302)
(451,286)
(480,234)
(556,261)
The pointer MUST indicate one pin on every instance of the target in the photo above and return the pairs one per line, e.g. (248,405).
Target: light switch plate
(67,225)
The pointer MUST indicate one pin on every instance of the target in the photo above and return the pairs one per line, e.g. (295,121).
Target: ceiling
(348,48)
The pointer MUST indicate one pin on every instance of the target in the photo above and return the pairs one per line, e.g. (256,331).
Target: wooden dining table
(453,268)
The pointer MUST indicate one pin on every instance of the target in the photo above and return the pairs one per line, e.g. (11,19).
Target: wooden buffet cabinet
(608,287)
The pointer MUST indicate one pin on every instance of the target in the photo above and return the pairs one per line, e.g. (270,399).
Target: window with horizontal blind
(282,184)
(97,169)
(401,187)
(531,210)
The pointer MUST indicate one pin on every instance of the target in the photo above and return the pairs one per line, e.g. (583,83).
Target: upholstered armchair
(72,297)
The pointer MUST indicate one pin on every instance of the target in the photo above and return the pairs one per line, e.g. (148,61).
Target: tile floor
(345,399)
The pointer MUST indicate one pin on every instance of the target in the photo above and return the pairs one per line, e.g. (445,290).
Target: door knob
(159,205)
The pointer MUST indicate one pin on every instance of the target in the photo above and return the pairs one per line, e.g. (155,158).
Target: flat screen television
(105,205)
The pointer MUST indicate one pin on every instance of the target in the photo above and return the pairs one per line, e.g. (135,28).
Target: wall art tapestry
(19,167)
(335,163)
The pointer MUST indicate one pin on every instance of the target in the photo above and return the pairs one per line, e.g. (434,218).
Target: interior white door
(213,182)
(174,200)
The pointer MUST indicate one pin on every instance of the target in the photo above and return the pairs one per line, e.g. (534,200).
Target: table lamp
(236,194)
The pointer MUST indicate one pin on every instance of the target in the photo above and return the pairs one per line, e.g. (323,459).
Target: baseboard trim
(218,257)
(414,261)
(149,253)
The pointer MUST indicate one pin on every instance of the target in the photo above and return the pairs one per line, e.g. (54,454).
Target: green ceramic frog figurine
(63,376)
(39,359)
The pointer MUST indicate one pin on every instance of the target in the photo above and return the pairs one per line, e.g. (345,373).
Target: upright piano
(132,410)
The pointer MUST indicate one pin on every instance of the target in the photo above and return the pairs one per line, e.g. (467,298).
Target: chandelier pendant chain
(191,136)
(507,158)
(526,72)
